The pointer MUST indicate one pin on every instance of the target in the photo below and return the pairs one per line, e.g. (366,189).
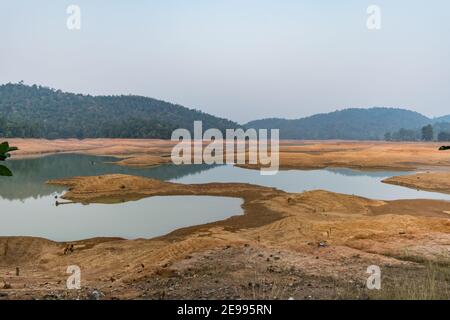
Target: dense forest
(35,111)
(350,124)
(438,131)
(41,112)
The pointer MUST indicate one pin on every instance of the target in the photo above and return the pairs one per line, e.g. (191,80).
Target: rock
(6,285)
(322,244)
(68,249)
(95,295)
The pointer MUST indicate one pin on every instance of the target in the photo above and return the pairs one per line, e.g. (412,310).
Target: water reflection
(146,218)
(361,183)
(30,175)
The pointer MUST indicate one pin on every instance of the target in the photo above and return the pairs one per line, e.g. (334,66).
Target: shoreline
(321,236)
(305,155)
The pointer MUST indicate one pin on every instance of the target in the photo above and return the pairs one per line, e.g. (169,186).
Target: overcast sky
(241,59)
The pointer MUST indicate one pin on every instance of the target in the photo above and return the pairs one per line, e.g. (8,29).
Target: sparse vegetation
(428,281)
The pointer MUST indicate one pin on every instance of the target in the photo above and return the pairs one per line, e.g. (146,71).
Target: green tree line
(437,132)
(41,112)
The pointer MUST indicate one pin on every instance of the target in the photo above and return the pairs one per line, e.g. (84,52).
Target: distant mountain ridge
(443,119)
(348,124)
(41,112)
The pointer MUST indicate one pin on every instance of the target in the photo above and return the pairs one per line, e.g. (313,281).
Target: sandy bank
(325,238)
(429,181)
(293,154)
(307,243)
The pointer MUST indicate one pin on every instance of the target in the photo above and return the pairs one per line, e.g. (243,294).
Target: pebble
(95,295)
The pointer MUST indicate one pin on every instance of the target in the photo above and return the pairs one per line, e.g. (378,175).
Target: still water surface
(27,203)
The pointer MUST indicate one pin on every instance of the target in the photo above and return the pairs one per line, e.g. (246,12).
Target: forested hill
(351,124)
(34,111)
(40,112)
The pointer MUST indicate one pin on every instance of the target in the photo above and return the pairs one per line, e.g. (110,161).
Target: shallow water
(145,218)
(361,183)
(27,204)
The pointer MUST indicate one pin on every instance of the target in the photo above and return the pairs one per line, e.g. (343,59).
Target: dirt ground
(430,181)
(311,245)
(293,154)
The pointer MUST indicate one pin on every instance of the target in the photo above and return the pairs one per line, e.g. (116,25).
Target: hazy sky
(241,59)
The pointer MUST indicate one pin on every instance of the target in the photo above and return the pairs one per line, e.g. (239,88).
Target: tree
(427,133)
(388,136)
(444,136)
(5,150)
(405,135)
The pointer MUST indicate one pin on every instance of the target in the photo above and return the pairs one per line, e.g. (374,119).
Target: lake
(27,204)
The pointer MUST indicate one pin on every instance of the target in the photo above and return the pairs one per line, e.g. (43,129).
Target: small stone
(95,295)
(322,244)
(7,286)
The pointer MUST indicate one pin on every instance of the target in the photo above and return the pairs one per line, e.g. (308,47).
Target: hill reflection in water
(31,174)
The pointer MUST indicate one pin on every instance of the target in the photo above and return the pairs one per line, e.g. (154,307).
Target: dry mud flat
(306,246)
(293,154)
(310,245)
(429,181)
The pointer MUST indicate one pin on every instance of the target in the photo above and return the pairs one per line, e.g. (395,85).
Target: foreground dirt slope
(309,245)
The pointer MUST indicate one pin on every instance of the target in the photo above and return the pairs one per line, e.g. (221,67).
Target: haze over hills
(35,111)
(442,119)
(348,124)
